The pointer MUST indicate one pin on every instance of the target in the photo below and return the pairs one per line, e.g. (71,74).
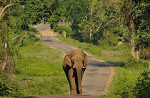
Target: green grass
(111,54)
(39,70)
(118,56)
(85,46)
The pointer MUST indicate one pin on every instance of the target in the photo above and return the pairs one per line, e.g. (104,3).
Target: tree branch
(19,40)
(3,9)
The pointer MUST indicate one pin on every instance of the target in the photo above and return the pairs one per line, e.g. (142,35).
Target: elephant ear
(85,60)
(67,61)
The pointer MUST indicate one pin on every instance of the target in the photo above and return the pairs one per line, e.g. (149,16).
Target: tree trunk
(7,62)
(9,67)
(134,52)
(133,47)
(137,55)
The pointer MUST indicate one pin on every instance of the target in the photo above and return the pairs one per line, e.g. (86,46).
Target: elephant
(74,65)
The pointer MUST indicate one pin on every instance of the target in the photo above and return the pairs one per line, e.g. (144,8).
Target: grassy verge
(118,56)
(111,54)
(39,71)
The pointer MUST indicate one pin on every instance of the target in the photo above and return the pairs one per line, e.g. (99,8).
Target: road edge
(109,80)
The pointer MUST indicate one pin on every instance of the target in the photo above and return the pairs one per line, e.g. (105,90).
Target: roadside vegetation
(117,31)
(28,67)
(131,78)
(38,71)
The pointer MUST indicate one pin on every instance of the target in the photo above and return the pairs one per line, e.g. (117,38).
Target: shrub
(4,89)
(7,89)
(123,87)
(131,62)
(126,87)
(65,28)
(110,40)
(142,87)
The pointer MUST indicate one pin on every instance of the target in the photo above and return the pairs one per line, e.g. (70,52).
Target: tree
(7,63)
(76,11)
(143,26)
(136,16)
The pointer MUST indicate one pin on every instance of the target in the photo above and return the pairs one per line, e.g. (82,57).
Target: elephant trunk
(79,77)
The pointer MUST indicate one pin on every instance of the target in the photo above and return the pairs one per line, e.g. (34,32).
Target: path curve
(96,78)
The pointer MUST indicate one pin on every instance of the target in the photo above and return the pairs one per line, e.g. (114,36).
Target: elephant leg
(66,70)
(80,87)
(72,81)
(79,91)
(78,76)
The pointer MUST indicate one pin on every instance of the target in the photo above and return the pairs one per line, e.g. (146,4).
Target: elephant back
(77,55)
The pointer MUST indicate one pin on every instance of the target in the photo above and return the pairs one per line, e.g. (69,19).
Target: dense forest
(102,23)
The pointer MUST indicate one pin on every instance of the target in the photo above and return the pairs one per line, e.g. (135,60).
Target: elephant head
(74,65)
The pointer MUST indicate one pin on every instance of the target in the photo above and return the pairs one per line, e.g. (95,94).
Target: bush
(7,89)
(131,62)
(126,87)
(4,89)
(123,87)
(142,87)
(64,28)
(123,46)
(110,40)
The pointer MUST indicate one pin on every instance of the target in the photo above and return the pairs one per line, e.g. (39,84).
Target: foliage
(95,20)
(7,88)
(132,63)
(143,24)
(110,40)
(142,87)
(124,87)
(108,22)
(4,89)
(139,88)
(136,16)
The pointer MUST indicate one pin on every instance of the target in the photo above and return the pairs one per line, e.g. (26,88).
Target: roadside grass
(120,57)
(39,71)
(110,54)
(84,46)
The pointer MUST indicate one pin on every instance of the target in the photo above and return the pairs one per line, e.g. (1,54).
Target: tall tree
(7,61)
(136,16)
(128,15)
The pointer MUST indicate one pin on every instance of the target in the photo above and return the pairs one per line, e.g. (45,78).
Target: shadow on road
(48,40)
